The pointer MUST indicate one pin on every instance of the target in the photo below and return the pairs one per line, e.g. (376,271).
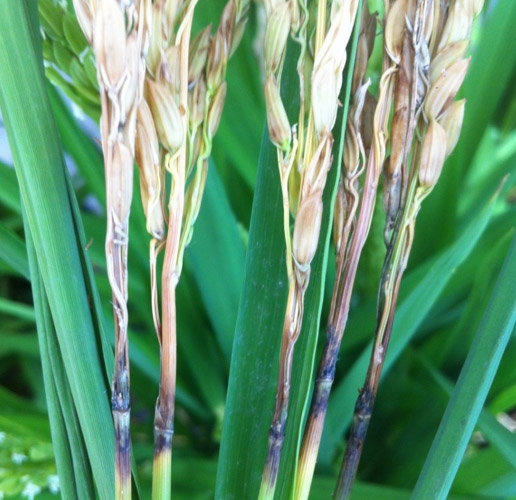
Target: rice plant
(257,250)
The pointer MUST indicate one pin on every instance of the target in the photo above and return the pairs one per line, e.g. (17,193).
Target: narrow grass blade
(410,315)
(17,310)
(75,481)
(9,191)
(471,389)
(60,442)
(87,156)
(40,171)
(254,363)
(486,473)
(12,251)
(252,381)
(496,434)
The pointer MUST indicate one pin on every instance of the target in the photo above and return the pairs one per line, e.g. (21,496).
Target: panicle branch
(427,123)
(117,32)
(162,97)
(304,156)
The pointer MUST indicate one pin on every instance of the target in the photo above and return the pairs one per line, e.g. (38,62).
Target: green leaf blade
(471,389)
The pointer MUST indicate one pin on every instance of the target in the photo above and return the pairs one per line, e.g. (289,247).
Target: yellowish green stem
(162,473)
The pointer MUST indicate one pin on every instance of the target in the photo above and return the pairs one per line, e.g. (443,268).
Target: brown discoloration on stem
(117,33)
(366,399)
(361,419)
(410,52)
(326,373)
(394,173)
(291,330)
(162,440)
(176,165)
(347,263)
(122,453)
(313,160)
(164,414)
(318,407)
(364,406)
(186,92)
(414,191)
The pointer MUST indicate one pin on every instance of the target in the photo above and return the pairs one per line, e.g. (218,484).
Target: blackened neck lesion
(163,430)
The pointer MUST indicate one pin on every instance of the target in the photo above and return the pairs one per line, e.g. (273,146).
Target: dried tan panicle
(400,134)
(171,9)
(270,5)
(277,120)
(131,85)
(147,139)
(475,6)
(366,126)
(168,71)
(445,87)
(166,116)
(340,213)
(215,111)
(85,15)
(446,57)
(421,34)
(215,67)
(148,161)
(199,48)
(238,33)
(337,5)
(364,48)
(429,17)
(433,154)
(197,103)
(400,116)
(439,20)
(109,44)
(120,185)
(295,14)
(306,231)
(381,120)
(157,38)
(304,156)
(451,121)
(350,151)
(458,24)
(276,36)
(395,24)
(328,66)
(325,84)
(227,27)
(314,175)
